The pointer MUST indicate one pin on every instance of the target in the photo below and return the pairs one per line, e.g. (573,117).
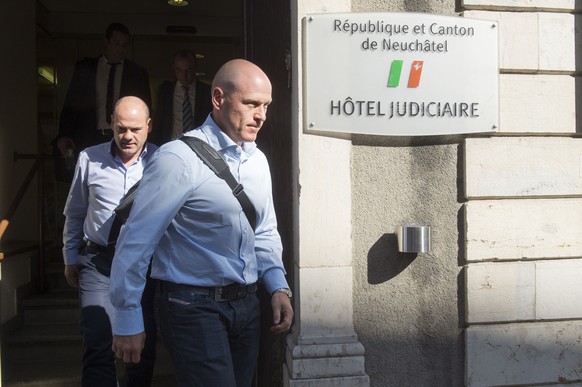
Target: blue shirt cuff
(70,257)
(274,279)
(128,322)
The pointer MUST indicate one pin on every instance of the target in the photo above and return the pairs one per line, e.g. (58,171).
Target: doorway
(268,44)
(258,30)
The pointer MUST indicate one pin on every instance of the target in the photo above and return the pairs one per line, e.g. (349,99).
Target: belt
(94,245)
(107,251)
(219,293)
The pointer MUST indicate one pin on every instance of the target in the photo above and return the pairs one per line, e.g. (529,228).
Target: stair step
(32,355)
(50,308)
(55,278)
(75,381)
(38,369)
(45,333)
(40,344)
(54,275)
(47,350)
(54,298)
(55,316)
(50,374)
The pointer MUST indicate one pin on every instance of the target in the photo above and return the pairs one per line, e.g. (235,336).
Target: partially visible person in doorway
(96,85)
(209,255)
(103,174)
(182,104)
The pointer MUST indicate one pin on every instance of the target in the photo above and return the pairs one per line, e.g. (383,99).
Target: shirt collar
(219,140)
(104,60)
(191,85)
(113,147)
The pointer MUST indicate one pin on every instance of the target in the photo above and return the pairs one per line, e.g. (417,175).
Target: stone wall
(523,210)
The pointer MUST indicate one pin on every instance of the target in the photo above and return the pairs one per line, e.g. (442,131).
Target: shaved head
(241,94)
(132,103)
(131,124)
(235,73)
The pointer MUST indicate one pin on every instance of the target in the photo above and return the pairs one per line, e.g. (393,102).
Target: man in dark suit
(96,85)
(182,104)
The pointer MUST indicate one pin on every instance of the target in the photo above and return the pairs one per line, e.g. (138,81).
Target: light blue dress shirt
(189,220)
(99,183)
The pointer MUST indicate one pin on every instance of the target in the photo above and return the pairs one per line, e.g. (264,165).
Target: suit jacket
(78,118)
(163,121)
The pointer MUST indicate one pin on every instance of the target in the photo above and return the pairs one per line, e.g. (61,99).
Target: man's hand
(128,348)
(64,144)
(282,312)
(72,275)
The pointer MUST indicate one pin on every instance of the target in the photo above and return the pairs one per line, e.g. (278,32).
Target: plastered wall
(406,310)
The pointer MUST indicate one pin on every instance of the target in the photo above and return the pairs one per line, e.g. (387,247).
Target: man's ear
(217,98)
(150,127)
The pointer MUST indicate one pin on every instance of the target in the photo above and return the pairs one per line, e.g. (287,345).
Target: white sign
(400,74)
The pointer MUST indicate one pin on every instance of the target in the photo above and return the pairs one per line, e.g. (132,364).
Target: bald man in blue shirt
(206,255)
(103,174)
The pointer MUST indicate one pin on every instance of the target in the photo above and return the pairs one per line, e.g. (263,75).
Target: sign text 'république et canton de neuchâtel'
(392,31)
(424,39)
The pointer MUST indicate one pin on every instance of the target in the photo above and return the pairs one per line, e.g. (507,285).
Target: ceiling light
(178,3)
(47,73)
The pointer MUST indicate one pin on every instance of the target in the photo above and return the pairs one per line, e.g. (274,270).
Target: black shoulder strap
(214,160)
(121,214)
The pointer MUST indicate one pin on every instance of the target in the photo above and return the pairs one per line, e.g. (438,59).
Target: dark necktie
(110,87)
(187,120)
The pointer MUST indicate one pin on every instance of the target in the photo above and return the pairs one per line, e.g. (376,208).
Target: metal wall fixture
(413,238)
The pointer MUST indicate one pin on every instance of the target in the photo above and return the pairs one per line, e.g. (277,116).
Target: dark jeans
(211,343)
(97,313)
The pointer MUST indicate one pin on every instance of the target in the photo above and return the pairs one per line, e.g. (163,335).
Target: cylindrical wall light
(413,238)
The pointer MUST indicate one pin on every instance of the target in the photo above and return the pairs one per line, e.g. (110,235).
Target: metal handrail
(5,222)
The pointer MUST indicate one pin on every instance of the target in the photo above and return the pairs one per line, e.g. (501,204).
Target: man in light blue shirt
(206,255)
(104,173)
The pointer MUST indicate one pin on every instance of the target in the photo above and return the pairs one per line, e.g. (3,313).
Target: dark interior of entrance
(217,31)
